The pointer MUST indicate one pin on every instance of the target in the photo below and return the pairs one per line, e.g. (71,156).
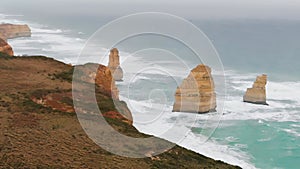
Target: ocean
(251,136)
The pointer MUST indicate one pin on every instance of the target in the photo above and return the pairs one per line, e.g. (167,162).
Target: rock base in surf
(196,94)
(10,31)
(257,94)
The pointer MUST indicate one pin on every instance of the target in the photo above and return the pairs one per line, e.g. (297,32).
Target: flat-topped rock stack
(196,94)
(257,94)
(114,64)
(10,31)
(6,48)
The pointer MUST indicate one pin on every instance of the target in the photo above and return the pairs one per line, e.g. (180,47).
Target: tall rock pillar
(114,65)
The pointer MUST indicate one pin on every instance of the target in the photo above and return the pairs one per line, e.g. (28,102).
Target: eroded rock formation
(6,48)
(106,85)
(114,64)
(9,31)
(257,94)
(102,78)
(197,92)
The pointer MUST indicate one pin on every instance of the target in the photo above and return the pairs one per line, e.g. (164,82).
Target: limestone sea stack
(196,94)
(114,64)
(257,94)
(10,31)
(6,48)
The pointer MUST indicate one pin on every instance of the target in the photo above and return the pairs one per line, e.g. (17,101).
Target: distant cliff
(6,48)
(10,31)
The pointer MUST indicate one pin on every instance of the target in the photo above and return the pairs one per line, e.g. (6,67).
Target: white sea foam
(292,131)
(56,43)
(284,106)
(283,97)
(165,121)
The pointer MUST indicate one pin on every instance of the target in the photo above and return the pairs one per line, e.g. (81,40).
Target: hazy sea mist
(251,136)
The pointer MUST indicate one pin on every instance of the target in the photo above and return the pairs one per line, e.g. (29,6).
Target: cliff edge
(6,48)
(39,129)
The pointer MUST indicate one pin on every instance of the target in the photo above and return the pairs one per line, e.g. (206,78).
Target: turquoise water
(267,142)
(261,136)
(248,135)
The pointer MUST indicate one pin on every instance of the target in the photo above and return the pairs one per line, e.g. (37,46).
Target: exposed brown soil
(47,134)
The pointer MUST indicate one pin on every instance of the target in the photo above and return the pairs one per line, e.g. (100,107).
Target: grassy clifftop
(39,129)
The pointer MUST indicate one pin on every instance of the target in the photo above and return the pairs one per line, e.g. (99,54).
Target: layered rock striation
(6,48)
(102,78)
(196,94)
(257,94)
(105,85)
(114,64)
(10,31)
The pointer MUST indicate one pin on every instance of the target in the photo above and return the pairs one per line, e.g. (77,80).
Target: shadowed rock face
(103,78)
(114,64)
(257,94)
(6,48)
(196,94)
(10,31)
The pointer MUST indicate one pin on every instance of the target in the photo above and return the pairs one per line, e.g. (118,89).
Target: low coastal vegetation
(39,128)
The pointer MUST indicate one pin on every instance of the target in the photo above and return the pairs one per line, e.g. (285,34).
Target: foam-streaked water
(248,135)
(251,136)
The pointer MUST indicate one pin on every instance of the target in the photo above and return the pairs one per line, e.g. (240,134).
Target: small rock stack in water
(114,64)
(196,94)
(257,94)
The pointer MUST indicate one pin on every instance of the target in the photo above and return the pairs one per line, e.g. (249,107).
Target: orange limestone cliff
(10,31)
(6,48)
(102,78)
(105,82)
(196,94)
(114,64)
(257,94)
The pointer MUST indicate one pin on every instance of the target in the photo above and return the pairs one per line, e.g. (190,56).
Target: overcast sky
(193,9)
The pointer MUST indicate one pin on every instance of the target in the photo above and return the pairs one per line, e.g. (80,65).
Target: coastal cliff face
(10,31)
(114,64)
(257,94)
(105,85)
(38,128)
(196,94)
(6,48)
(102,78)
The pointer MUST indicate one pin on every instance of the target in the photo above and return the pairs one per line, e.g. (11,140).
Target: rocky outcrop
(117,115)
(114,64)
(6,48)
(105,85)
(257,94)
(61,101)
(10,31)
(102,78)
(197,92)
(34,136)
